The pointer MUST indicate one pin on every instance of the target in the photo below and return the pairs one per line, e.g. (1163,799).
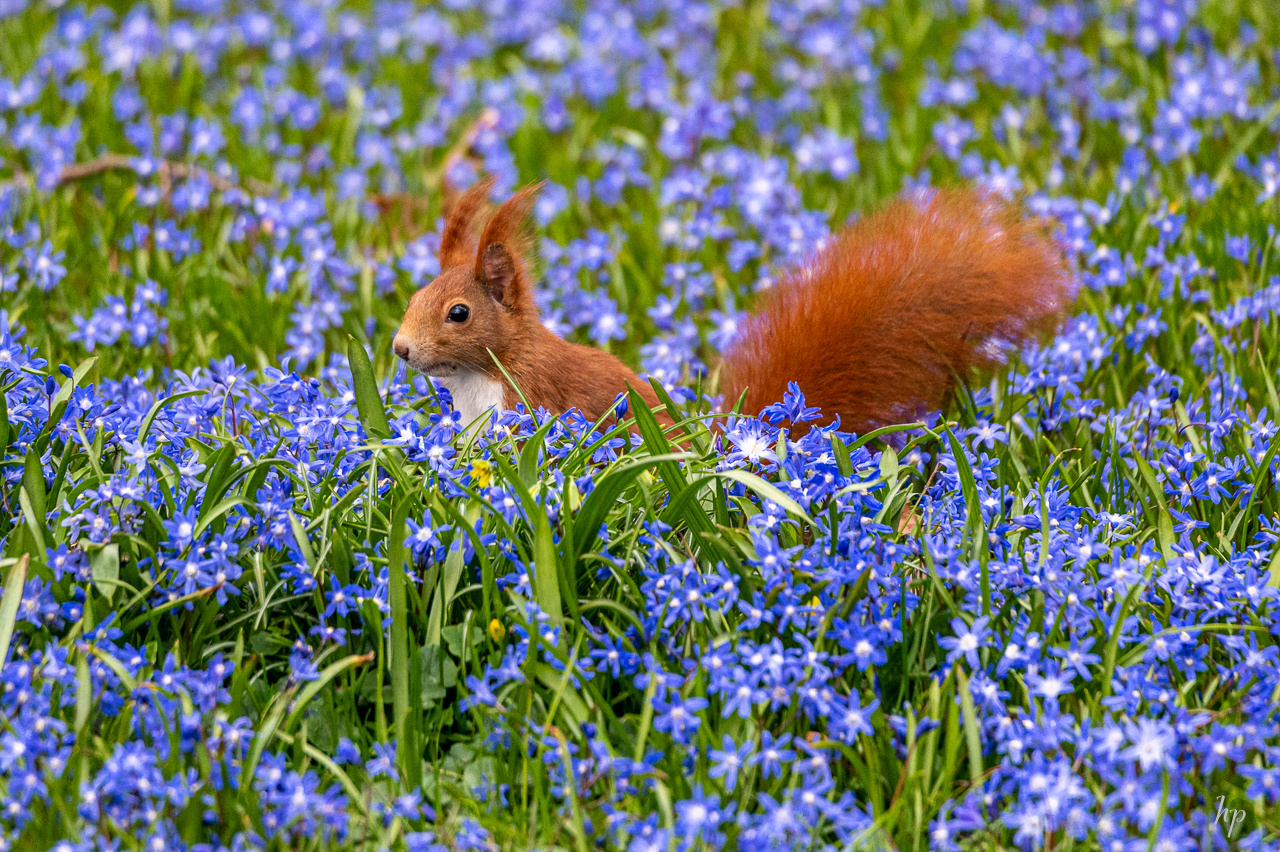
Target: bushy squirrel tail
(877,325)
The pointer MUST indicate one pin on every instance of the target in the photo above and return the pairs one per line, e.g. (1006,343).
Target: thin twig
(410,204)
(166,171)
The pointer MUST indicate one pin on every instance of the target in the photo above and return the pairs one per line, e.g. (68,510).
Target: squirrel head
(482,300)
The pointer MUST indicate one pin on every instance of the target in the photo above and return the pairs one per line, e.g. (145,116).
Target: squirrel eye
(459,313)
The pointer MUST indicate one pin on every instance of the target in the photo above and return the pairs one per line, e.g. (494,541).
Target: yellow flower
(496,630)
(481,472)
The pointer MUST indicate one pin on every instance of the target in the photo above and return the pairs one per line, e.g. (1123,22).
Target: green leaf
(34,484)
(9,604)
(152,613)
(685,503)
(129,681)
(1149,477)
(646,719)
(105,566)
(972,738)
(218,478)
(587,606)
(439,673)
(451,576)
(528,467)
(398,656)
(312,689)
(844,463)
(768,491)
(697,437)
(882,431)
(267,725)
(1261,471)
(304,544)
(59,478)
(465,525)
(1113,641)
(672,476)
(609,487)
(453,640)
(545,579)
(889,465)
(1164,528)
(1164,521)
(368,400)
(4,424)
(84,690)
(973,514)
(35,523)
(574,708)
(157,406)
(209,515)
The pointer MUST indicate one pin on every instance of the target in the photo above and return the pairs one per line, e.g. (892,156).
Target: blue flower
(346,753)
(967,640)
(1152,743)
(728,760)
(751,442)
(383,761)
(44,266)
(679,717)
(772,755)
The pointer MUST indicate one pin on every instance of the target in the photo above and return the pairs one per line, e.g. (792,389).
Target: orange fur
(457,243)
(552,373)
(509,227)
(876,326)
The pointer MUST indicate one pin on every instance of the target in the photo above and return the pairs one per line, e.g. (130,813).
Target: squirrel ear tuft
(509,225)
(501,258)
(458,243)
(498,271)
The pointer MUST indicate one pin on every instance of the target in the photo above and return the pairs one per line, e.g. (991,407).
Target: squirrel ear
(499,269)
(458,242)
(504,243)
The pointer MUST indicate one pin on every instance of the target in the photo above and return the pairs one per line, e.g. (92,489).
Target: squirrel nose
(401,347)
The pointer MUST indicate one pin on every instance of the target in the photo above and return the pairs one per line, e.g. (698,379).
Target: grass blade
(398,655)
(545,575)
(312,689)
(368,400)
(9,604)
(973,739)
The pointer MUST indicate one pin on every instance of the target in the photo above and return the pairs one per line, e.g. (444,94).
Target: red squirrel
(875,326)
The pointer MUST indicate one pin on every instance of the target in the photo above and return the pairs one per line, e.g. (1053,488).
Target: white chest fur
(473,394)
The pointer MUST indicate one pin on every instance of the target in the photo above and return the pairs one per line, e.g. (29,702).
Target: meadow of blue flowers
(261,592)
